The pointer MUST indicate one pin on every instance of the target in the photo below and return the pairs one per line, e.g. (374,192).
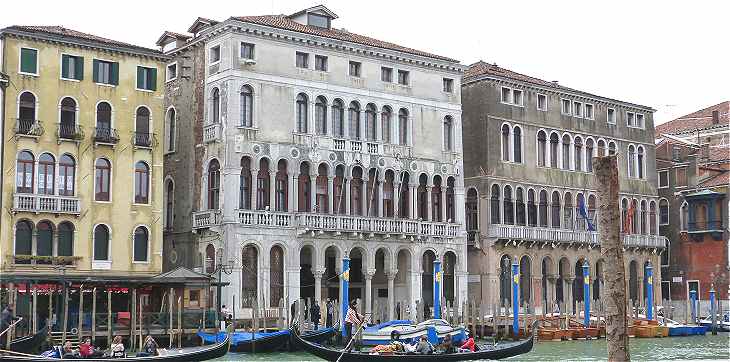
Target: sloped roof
(284,22)
(316,8)
(168,36)
(61,31)
(698,120)
(201,23)
(482,68)
(722,179)
(719,154)
(181,275)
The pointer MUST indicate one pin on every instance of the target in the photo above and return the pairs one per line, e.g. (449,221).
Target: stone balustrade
(517,232)
(46,203)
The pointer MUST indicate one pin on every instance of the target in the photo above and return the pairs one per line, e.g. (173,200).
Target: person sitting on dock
(117,347)
(150,347)
(423,346)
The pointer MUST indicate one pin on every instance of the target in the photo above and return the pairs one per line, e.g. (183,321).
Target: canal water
(707,347)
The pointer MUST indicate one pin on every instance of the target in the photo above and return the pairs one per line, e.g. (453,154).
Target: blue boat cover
(238,337)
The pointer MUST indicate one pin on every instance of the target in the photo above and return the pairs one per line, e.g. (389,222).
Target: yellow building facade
(81,161)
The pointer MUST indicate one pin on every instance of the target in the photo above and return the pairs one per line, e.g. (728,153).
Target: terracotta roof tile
(722,179)
(719,154)
(283,22)
(697,120)
(70,33)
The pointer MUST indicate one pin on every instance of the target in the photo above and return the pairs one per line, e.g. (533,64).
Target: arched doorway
(563,273)
(633,282)
(427,282)
(402,283)
(547,271)
(525,281)
(357,280)
(276,276)
(332,266)
(449,279)
(380,289)
(505,280)
(597,280)
(249,275)
(306,272)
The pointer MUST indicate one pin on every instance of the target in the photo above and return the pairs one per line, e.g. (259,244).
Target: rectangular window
(247,51)
(448,85)
(28,61)
(611,116)
(318,20)
(72,67)
(506,95)
(680,176)
(171,73)
(386,74)
(320,63)
(215,54)
(663,179)
(146,78)
(517,97)
(541,102)
(302,60)
(565,106)
(630,119)
(106,72)
(676,153)
(577,109)
(639,120)
(355,68)
(403,77)
(589,111)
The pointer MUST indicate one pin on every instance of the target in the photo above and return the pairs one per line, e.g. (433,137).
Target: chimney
(705,151)
(715,117)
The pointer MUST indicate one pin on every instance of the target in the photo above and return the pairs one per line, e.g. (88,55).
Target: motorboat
(407,331)
(722,322)
(679,329)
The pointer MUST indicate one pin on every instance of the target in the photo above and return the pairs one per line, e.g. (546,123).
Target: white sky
(670,56)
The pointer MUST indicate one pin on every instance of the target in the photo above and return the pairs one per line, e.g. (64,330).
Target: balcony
(70,132)
(549,235)
(212,133)
(144,140)
(36,261)
(28,128)
(106,135)
(46,204)
(206,219)
(704,226)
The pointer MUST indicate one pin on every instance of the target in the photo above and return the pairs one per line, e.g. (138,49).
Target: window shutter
(64,66)
(28,60)
(79,68)
(153,79)
(114,76)
(140,77)
(96,71)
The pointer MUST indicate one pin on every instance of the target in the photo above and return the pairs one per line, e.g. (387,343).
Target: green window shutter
(153,79)
(114,75)
(80,68)
(29,60)
(64,66)
(95,69)
(140,77)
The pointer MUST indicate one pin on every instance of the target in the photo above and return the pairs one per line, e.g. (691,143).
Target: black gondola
(319,336)
(485,352)
(29,344)
(184,355)
(267,343)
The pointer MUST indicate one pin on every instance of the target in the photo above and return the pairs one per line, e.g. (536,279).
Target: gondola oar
(10,326)
(353,337)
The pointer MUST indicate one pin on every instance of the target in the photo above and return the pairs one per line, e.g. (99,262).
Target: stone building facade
(297,145)
(531,194)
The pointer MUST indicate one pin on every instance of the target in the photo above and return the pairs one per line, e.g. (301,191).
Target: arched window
(404,195)
(624,215)
(554,147)
(320,115)
(214,185)
(531,208)
(663,212)
(141,183)
(652,218)
(505,142)
(580,222)
(472,214)
(141,244)
(388,194)
(169,202)
(65,245)
(448,133)
(631,158)
(26,112)
(611,148)
(102,179)
(244,184)
(46,174)
(249,275)
(305,188)
(517,144)
(372,193)
(67,128)
(247,106)
(171,129)
(322,198)
(543,209)
(495,207)
(216,106)
(44,240)
(403,126)
(436,192)
(66,175)
(450,200)
(142,136)
(643,215)
(589,155)
(684,215)
(101,242)
(601,148)
(282,186)
(422,197)
(592,211)
(210,259)
(555,213)
(566,153)
(509,212)
(635,217)
(103,131)
(520,206)
(354,124)
(385,117)
(276,276)
(263,184)
(568,211)
(338,118)
(640,162)
(338,188)
(578,156)
(356,192)
(371,122)
(23,239)
(541,148)
(302,113)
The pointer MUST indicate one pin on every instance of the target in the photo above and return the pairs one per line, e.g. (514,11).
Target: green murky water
(707,347)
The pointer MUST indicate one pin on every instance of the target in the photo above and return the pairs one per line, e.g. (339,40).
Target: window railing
(212,133)
(106,135)
(206,218)
(515,232)
(46,203)
(42,260)
(70,131)
(28,127)
(144,139)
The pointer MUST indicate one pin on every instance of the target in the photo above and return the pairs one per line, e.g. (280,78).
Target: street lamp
(221,268)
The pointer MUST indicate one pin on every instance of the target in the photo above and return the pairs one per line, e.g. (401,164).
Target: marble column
(254,188)
(346,185)
(443,204)
(369,290)
(364,195)
(640,289)
(313,194)
(429,202)
(318,284)
(380,200)
(230,190)
(330,194)
(293,193)
(272,190)
(391,294)
(396,199)
(550,295)
(569,288)
(413,200)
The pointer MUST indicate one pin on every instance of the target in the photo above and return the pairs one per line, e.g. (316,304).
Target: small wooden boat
(172,355)
(29,344)
(485,352)
(244,342)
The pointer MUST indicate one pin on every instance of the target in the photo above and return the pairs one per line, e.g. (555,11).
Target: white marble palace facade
(319,144)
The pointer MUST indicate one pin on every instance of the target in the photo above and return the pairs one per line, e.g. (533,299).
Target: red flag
(629,220)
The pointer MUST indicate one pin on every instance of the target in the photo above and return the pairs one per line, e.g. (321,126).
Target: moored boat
(722,323)
(434,329)
(29,344)
(251,342)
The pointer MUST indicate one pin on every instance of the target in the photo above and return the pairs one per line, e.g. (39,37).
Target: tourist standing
(330,313)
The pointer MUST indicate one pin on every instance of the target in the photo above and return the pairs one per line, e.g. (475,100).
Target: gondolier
(352,318)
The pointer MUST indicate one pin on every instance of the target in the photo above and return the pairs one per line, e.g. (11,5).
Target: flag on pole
(583,210)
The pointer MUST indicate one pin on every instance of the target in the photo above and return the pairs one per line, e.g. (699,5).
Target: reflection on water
(707,347)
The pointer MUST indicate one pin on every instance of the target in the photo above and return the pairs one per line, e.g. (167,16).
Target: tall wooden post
(65,314)
(93,315)
(606,170)
(140,320)
(109,317)
(35,309)
(179,322)
(169,325)
(81,312)
(50,307)
(133,319)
